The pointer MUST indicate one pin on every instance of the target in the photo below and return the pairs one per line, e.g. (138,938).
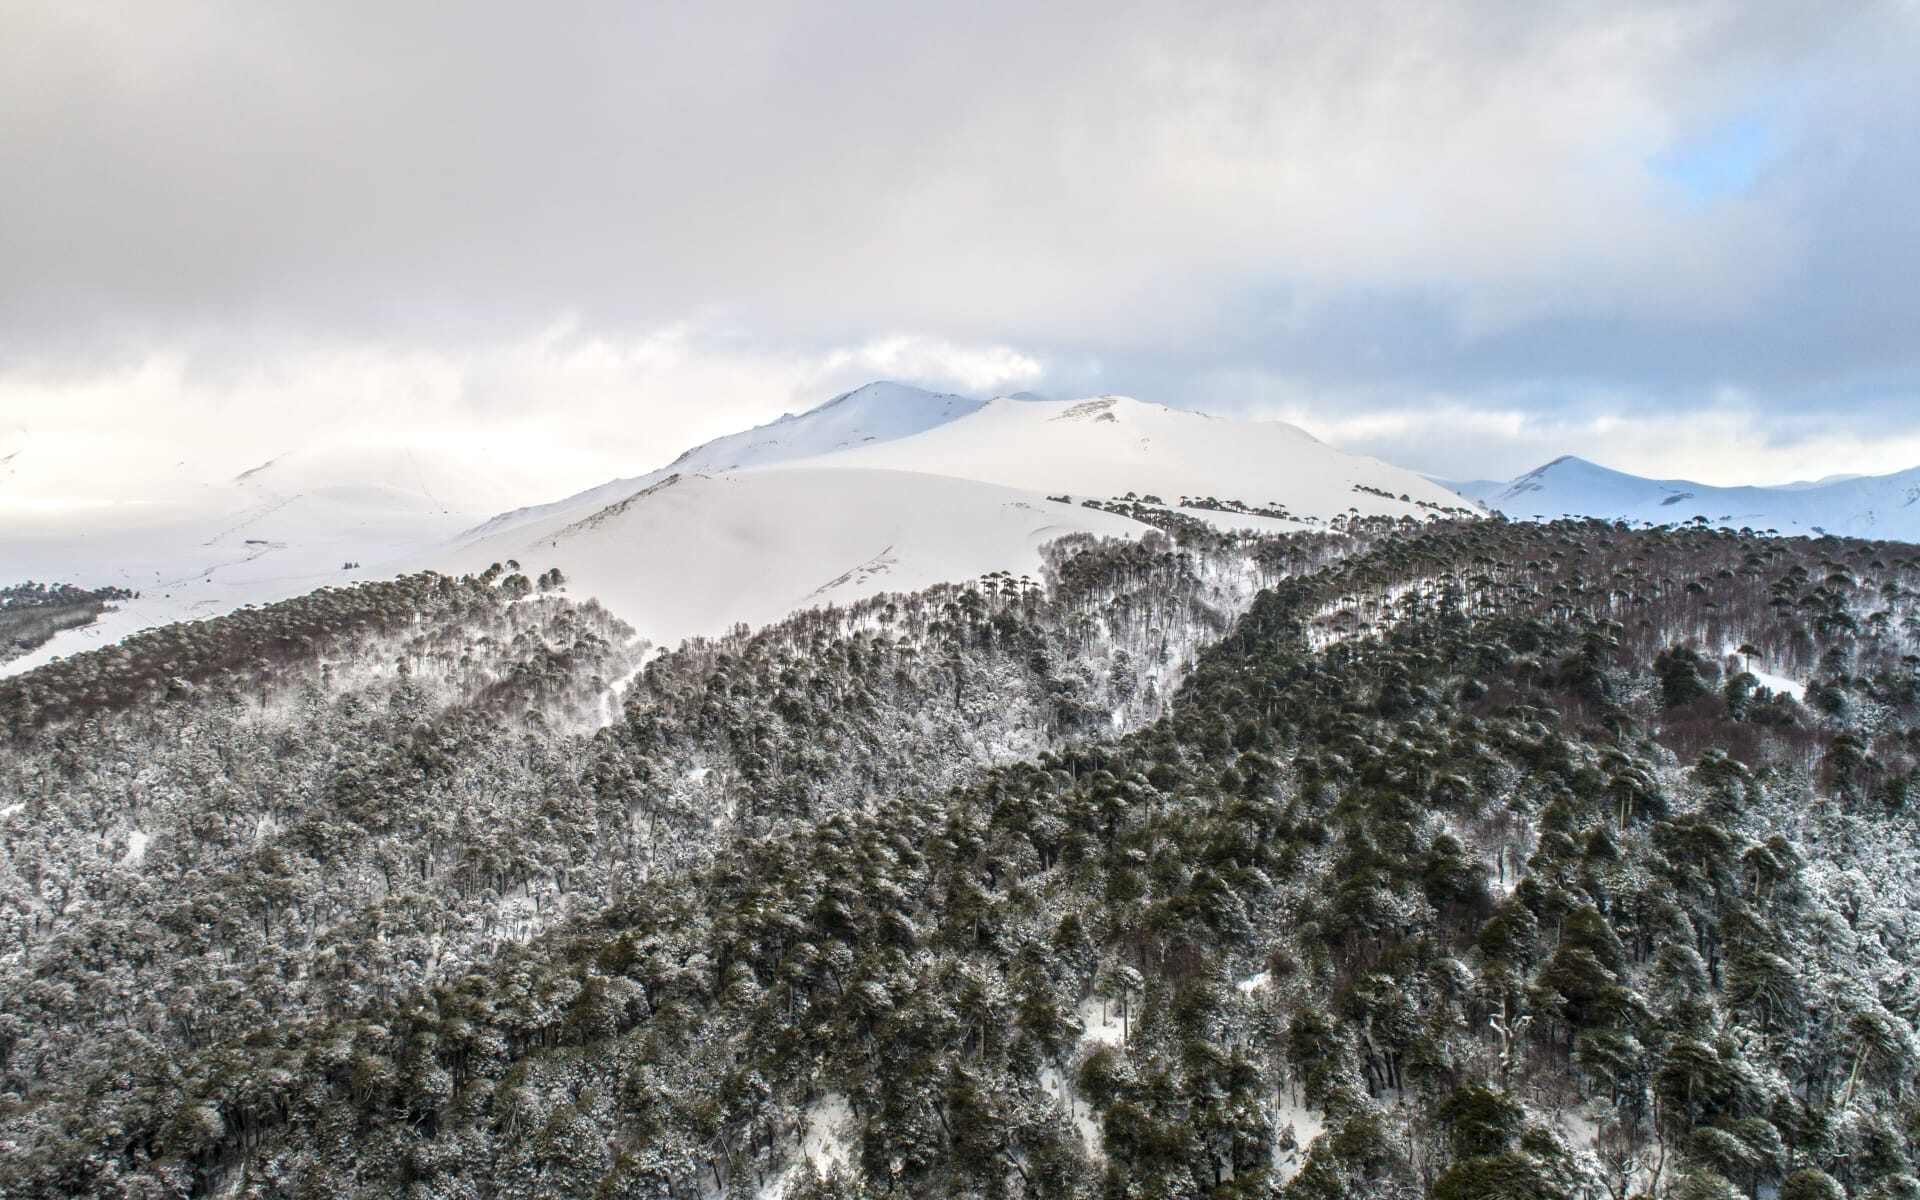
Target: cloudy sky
(564,241)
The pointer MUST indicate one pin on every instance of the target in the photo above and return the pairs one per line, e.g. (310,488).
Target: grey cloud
(1371,200)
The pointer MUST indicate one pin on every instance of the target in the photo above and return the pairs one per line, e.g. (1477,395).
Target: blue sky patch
(1722,162)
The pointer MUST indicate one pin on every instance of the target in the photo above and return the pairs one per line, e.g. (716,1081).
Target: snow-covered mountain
(878,411)
(1107,446)
(1880,506)
(375,479)
(889,488)
(216,537)
(884,488)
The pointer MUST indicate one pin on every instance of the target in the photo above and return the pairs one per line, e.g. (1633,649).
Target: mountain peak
(884,391)
(1884,506)
(873,412)
(1564,462)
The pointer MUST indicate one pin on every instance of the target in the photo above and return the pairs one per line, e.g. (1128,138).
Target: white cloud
(1724,442)
(741,207)
(555,411)
(984,369)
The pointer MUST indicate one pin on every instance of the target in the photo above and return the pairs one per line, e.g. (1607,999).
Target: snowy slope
(209,544)
(876,412)
(694,554)
(1108,446)
(1882,506)
(1476,490)
(387,479)
(1825,480)
(892,489)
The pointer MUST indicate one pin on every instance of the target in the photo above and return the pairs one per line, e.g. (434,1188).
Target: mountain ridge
(912,488)
(914,467)
(1103,446)
(1878,506)
(879,409)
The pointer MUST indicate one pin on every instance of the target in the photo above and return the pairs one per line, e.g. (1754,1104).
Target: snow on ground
(1077,1111)
(277,530)
(1105,1028)
(1581,1133)
(9,810)
(827,1143)
(616,691)
(697,554)
(128,617)
(1110,445)
(1781,684)
(1102,1023)
(731,531)
(1295,1123)
(137,846)
(887,488)
(730,538)
(1099,1028)
(1773,683)
(1575,1128)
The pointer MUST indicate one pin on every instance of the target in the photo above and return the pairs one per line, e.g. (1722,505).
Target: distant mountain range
(883,488)
(1865,506)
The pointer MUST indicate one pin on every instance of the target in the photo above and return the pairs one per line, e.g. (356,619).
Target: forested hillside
(31,613)
(1466,860)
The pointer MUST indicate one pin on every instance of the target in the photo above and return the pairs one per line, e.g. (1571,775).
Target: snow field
(701,554)
(1105,447)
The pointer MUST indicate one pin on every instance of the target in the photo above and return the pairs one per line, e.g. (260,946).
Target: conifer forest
(1475,860)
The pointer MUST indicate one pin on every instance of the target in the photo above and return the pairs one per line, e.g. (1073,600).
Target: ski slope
(1881,506)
